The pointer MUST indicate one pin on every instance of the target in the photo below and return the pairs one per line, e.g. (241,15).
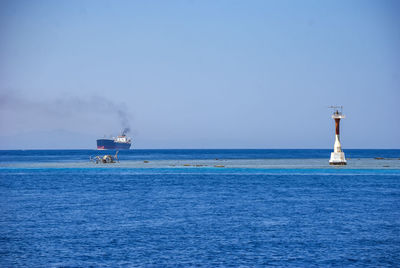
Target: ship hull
(107,144)
(122,146)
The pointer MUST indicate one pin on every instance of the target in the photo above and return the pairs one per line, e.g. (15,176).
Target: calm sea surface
(283,208)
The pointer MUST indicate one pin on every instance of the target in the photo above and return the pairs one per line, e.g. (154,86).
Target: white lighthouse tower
(337,157)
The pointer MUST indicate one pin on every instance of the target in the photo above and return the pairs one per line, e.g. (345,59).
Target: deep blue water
(161,217)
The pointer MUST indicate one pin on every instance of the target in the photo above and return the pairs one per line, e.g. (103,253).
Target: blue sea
(206,208)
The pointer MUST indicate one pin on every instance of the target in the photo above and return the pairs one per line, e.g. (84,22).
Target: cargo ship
(121,142)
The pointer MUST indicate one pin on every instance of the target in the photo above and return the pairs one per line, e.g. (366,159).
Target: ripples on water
(80,217)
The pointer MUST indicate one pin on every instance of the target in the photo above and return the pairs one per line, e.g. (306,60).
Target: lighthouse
(337,157)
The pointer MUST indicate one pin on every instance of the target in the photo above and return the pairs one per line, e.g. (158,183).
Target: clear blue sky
(199,74)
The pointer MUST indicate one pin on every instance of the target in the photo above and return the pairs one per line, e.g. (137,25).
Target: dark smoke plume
(126,131)
(69,107)
(124,119)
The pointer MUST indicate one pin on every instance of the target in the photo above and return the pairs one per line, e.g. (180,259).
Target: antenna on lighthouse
(337,109)
(337,157)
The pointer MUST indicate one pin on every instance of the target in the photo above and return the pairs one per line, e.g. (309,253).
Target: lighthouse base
(337,159)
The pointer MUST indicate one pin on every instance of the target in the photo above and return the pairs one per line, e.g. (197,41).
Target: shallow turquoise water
(67,212)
